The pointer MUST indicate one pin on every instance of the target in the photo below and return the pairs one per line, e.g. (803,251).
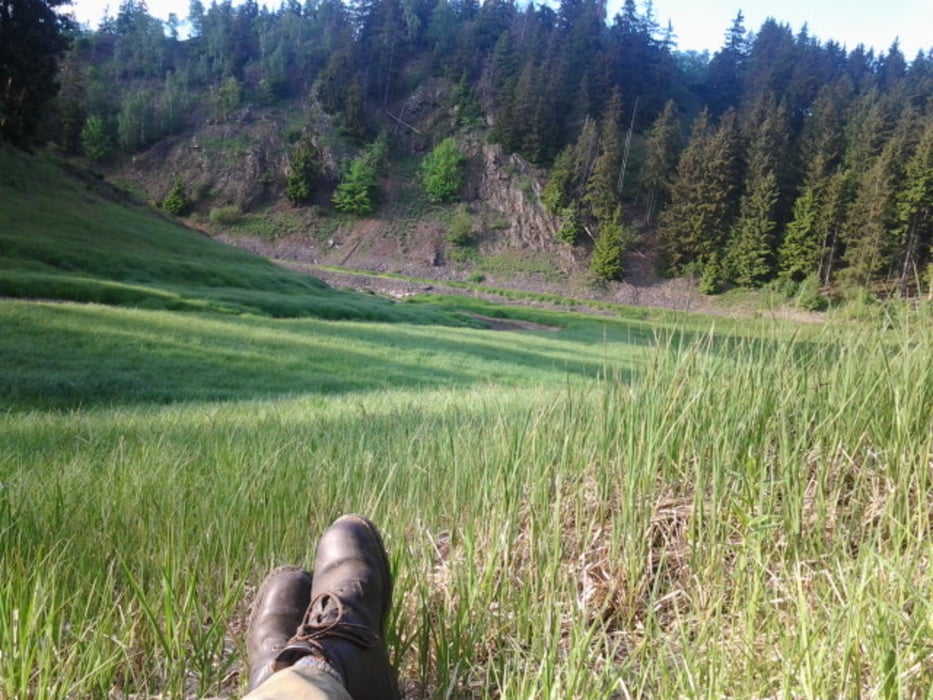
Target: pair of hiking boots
(337,617)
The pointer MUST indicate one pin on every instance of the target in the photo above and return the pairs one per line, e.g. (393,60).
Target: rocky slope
(242,161)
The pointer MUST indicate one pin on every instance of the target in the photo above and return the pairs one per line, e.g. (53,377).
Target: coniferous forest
(780,157)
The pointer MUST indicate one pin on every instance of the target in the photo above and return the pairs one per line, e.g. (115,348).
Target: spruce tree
(868,233)
(750,247)
(356,193)
(95,141)
(176,203)
(748,260)
(570,226)
(304,167)
(32,38)
(726,72)
(606,261)
(914,211)
(557,193)
(661,150)
(697,221)
(602,193)
(799,254)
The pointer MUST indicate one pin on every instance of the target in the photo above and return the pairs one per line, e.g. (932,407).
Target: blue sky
(701,24)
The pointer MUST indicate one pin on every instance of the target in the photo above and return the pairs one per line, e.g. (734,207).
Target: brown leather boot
(277,611)
(350,599)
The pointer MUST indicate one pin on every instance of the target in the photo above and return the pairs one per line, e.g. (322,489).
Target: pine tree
(750,247)
(748,260)
(870,229)
(176,203)
(831,222)
(358,190)
(32,37)
(696,223)
(571,170)
(570,226)
(870,220)
(95,141)
(661,150)
(914,211)
(726,74)
(602,193)
(356,193)
(799,254)
(557,193)
(606,261)
(304,168)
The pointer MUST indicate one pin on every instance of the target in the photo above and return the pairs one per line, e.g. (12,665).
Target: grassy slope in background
(78,239)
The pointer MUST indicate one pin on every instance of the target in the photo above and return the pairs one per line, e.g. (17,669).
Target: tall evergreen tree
(602,187)
(799,255)
(832,221)
(606,261)
(726,76)
(662,147)
(571,171)
(914,211)
(304,167)
(32,38)
(702,208)
(868,233)
(872,245)
(748,259)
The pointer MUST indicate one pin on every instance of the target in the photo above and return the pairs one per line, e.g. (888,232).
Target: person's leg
(338,649)
(301,682)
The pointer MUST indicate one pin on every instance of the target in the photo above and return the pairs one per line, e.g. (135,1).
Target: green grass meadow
(668,506)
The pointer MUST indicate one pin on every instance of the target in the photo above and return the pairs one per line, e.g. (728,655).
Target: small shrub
(809,297)
(95,140)
(783,288)
(476,277)
(176,203)
(606,262)
(859,304)
(460,229)
(710,276)
(229,215)
(570,227)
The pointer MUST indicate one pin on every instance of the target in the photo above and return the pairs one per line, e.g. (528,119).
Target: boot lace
(314,631)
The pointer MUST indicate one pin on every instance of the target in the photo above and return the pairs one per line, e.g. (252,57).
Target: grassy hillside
(72,237)
(747,520)
(599,507)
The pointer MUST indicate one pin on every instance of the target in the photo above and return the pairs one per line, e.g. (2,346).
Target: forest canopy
(779,157)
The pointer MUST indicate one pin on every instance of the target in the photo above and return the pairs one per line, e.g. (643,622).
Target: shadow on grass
(64,356)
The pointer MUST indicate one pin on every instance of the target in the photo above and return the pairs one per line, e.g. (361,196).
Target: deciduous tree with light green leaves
(442,171)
